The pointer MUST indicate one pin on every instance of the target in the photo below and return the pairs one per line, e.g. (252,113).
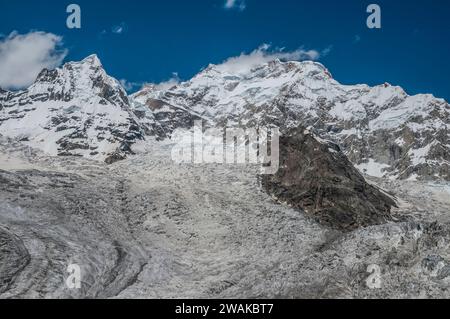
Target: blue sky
(159,38)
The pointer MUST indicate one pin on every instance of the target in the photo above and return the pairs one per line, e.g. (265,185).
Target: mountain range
(79,110)
(87,178)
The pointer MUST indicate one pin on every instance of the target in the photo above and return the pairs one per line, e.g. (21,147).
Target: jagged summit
(93,60)
(276,67)
(77,109)
(382,129)
(85,79)
(92,63)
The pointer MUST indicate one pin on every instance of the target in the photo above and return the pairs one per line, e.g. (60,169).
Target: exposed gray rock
(316,177)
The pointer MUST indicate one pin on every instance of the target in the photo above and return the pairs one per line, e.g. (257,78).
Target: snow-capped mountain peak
(85,79)
(77,109)
(381,125)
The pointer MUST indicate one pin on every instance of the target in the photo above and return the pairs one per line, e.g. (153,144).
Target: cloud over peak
(23,56)
(246,61)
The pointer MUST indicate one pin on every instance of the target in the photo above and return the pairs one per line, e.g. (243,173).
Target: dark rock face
(115,157)
(316,177)
(161,119)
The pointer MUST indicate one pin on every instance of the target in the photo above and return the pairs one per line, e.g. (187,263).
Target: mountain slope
(74,110)
(80,110)
(146,227)
(381,129)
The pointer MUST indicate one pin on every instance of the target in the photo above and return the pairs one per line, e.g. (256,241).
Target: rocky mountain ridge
(383,130)
(76,110)
(143,226)
(80,110)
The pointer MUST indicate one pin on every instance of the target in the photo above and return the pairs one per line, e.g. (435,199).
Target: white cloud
(263,54)
(119,29)
(129,86)
(165,85)
(23,56)
(235,4)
